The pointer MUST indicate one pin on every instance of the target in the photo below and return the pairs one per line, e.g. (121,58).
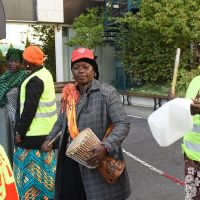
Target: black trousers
(72,187)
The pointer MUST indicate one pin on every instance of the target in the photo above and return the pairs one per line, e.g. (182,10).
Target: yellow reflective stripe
(193,147)
(196,128)
(47,114)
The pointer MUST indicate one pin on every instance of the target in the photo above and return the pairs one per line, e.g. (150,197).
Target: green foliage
(176,20)
(89,29)
(3,63)
(45,37)
(27,42)
(2,59)
(145,60)
(11,46)
(184,78)
(152,89)
(149,39)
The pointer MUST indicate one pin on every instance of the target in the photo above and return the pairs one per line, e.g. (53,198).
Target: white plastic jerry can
(171,121)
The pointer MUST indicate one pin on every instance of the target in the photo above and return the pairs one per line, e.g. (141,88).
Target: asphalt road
(147,184)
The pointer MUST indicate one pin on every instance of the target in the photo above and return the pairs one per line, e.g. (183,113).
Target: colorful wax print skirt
(34,173)
(192,179)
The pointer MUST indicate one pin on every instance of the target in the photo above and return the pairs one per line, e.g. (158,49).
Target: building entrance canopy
(73,8)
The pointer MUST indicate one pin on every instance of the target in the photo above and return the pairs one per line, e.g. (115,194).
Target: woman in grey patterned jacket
(10,82)
(98,106)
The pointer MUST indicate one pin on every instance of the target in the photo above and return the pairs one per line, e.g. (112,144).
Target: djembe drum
(79,149)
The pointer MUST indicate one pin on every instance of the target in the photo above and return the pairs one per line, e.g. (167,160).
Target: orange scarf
(70,97)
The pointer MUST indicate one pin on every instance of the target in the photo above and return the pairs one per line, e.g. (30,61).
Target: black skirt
(71,184)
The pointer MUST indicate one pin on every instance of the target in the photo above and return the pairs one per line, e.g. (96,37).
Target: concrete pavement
(138,111)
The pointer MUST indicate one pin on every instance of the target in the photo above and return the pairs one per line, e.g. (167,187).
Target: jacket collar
(95,85)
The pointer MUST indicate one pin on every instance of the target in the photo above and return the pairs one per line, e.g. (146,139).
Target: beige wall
(50,11)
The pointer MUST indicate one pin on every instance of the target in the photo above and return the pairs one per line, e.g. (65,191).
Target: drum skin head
(79,148)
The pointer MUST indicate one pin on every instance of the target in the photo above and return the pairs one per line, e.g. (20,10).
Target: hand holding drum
(99,153)
(86,149)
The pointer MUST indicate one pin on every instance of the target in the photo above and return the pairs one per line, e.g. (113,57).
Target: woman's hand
(195,107)
(46,147)
(99,153)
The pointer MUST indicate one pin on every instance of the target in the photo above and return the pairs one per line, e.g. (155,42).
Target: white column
(71,34)
(59,54)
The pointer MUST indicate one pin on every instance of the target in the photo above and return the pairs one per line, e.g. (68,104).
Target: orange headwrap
(34,55)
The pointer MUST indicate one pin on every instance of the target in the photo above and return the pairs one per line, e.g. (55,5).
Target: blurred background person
(34,170)
(10,82)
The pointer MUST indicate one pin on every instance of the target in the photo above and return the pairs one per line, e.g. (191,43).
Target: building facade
(60,14)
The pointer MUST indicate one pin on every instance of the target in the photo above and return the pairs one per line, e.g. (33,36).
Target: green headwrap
(14,55)
(8,81)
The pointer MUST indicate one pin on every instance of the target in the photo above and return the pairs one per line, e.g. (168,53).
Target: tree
(45,37)
(89,29)
(149,39)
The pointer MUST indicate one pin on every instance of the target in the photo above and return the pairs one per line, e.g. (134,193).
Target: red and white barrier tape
(177,181)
